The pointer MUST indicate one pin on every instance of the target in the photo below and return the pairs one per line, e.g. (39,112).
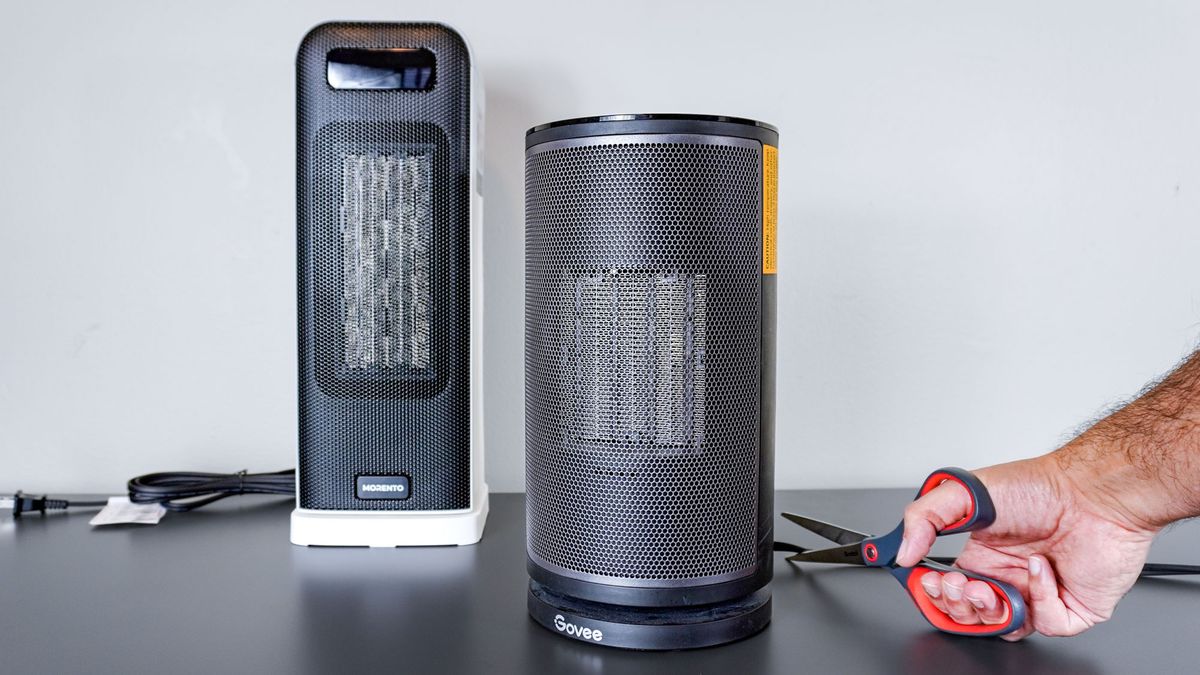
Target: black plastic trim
(640,596)
(649,628)
(657,123)
(652,116)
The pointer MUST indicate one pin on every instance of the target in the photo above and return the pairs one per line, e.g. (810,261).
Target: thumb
(945,504)
(1049,614)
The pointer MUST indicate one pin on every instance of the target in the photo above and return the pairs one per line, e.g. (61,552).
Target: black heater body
(389,280)
(649,377)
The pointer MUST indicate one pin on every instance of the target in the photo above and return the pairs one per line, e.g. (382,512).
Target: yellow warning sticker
(770,206)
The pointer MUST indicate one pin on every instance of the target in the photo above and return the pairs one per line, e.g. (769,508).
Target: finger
(1050,615)
(985,601)
(945,504)
(957,606)
(1018,634)
(931,582)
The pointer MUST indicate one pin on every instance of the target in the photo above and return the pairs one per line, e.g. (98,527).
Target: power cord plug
(23,503)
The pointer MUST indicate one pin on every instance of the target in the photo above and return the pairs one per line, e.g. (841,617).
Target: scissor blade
(850,554)
(828,530)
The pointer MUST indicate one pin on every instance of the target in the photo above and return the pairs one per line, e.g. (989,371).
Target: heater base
(650,628)
(387,529)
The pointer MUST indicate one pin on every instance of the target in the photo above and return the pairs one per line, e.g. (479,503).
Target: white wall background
(990,217)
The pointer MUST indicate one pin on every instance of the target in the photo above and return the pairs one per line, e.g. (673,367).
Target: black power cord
(187,490)
(175,490)
(1148,569)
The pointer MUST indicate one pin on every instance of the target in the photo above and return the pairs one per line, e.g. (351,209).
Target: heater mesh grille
(384,276)
(642,357)
(634,376)
(385,226)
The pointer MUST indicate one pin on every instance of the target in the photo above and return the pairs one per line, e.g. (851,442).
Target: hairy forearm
(1143,461)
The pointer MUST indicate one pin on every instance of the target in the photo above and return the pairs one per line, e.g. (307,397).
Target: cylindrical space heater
(650,377)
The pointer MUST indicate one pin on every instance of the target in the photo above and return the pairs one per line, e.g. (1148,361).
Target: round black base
(646,627)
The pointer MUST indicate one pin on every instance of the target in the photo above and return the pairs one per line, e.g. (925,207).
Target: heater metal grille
(635,368)
(385,222)
(384,275)
(642,357)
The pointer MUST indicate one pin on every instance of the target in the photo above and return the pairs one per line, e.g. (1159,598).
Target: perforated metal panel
(384,275)
(642,357)
(634,370)
(386,225)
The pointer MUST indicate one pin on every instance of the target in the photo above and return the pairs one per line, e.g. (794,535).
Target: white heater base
(388,529)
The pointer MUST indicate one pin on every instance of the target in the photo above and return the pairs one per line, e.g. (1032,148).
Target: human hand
(1067,551)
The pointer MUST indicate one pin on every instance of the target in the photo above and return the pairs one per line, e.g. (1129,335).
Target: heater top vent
(629,117)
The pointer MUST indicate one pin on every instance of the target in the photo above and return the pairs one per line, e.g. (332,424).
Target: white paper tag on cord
(120,510)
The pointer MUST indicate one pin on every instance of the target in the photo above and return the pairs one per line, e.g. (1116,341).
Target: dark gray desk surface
(222,590)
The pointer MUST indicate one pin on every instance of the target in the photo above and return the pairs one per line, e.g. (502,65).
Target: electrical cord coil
(186,490)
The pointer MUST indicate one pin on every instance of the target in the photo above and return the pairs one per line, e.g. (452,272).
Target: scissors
(857,548)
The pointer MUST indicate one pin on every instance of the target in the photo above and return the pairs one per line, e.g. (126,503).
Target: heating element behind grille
(385,224)
(636,363)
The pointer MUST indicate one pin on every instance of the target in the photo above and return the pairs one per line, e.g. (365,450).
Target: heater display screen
(411,69)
